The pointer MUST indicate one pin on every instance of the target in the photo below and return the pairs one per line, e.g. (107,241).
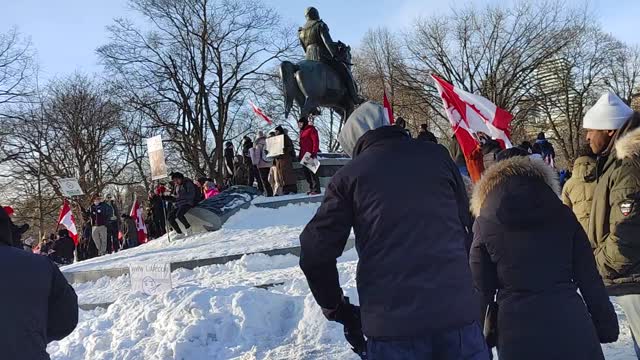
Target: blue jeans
(465,343)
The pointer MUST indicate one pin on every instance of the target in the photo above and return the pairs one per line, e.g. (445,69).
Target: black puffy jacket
(530,250)
(408,207)
(37,306)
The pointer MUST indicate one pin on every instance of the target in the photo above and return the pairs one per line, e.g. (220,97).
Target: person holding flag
(473,119)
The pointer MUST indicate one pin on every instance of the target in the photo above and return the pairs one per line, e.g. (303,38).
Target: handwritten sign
(151,279)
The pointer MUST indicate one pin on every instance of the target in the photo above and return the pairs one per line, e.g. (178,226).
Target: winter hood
(368,116)
(517,166)
(584,166)
(628,145)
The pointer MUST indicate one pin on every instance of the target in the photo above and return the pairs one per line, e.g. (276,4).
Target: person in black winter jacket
(426,135)
(38,305)
(414,282)
(531,251)
(185,198)
(16,230)
(63,248)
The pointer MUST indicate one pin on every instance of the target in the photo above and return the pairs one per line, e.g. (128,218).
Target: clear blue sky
(66,33)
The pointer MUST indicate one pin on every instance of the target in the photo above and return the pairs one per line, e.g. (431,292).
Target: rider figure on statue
(316,41)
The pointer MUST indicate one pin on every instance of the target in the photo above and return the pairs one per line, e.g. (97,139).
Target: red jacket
(309,141)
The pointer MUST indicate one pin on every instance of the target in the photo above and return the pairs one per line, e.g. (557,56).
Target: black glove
(349,316)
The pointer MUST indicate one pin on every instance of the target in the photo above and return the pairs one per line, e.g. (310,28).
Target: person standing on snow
(309,143)
(129,231)
(185,198)
(16,230)
(113,226)
(613,132)
(546,149)
(577,192)
(38,304)
(414,283)
(540,314)
(258,160)
(284,164)
(100,216)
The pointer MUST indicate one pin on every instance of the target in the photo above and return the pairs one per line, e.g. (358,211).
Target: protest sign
(151,279)
(310,163)
(156,158)
(70,187)
(275,146)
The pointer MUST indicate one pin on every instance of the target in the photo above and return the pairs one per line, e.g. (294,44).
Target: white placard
(151,279)
(310,163)
(70,187)
(156,158)
(275,146)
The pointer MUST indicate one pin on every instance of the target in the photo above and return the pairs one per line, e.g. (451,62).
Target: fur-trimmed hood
(628,145)
(496,175)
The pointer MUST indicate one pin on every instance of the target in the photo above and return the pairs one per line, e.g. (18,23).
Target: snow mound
(206,317)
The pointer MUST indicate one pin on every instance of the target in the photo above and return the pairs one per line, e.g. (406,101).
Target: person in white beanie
(613,133)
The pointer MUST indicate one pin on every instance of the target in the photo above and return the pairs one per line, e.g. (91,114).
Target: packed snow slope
(218,311)
(250,230)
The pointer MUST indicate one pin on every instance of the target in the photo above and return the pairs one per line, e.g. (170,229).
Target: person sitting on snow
(414,282)
(185,198)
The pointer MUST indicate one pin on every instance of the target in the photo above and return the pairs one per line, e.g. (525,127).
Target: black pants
(178,213)
(263,181)
(113,244)
(312,179)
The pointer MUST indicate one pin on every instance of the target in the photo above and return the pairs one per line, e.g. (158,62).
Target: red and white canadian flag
(260,113)
(67,220)
(388,109)
(470,114)
(136,215)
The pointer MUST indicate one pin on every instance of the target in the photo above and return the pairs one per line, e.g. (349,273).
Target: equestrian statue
(323,78)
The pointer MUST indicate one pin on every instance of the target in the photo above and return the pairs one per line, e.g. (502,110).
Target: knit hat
(8,210)
(609,113)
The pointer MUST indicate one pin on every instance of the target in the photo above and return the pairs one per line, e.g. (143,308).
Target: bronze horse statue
(314,84)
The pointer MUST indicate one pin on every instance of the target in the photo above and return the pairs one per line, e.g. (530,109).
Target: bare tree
(72,133)
(494,52)
(568,84)
(16,74)
(190,73)
(623,74)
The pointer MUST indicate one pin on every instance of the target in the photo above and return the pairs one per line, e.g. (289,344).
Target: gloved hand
(349,316)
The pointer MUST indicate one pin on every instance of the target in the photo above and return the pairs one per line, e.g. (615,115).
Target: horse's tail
(289,85)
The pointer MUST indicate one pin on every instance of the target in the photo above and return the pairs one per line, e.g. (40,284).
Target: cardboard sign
(156,158)
(310,163)
(151,279)
(70,187)
(275,146)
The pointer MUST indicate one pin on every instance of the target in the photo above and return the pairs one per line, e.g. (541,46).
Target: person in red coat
(309,143)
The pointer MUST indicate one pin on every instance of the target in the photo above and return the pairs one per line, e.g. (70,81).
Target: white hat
(609,113)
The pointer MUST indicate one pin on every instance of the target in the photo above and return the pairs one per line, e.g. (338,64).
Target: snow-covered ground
(250,230)
(218,311)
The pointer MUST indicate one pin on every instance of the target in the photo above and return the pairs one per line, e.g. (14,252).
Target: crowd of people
(520,271)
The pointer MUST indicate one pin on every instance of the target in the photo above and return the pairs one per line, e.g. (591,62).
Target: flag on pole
(388,108)
(471,114)
(67,220)
(260,113)
(136,215)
